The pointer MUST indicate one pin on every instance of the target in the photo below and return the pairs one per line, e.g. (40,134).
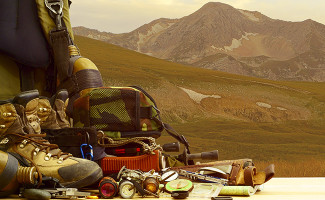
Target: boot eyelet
(23,144)
(6,114)
(43,109)
(60,161)
(4,141)
(47,157)
(2,126)
(36,151)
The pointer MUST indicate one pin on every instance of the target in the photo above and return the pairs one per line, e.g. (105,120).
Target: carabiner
(90,153)
(52,4)
(56,11)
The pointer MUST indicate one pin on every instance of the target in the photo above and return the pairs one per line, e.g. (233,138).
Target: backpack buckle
(56,10)
(55,6)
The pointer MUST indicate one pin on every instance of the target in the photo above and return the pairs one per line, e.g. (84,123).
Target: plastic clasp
(87,151)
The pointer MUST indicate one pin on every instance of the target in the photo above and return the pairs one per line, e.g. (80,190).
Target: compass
(127,189)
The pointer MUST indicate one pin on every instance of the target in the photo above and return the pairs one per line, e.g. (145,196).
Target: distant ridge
(220,37)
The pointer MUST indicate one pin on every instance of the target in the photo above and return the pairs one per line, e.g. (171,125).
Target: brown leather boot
(10,121)
(60,103)
(30,145)
(26,105)
(52,111)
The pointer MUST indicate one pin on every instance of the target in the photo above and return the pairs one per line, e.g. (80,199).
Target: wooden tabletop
(291,188)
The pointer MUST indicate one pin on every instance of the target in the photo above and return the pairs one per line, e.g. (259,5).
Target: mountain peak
(245,36)
(213,6)
(216,5)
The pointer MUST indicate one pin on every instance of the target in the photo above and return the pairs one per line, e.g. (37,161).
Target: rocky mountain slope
(224,38)
(238,115)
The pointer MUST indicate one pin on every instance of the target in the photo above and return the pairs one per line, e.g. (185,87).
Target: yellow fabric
(173,162)
(83,63)
(48,23)
(9,78)
(259,178)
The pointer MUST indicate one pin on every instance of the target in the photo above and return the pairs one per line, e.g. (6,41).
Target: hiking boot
(26,105)
(32,150)
(10,121)
(47,115)
(60,103)
(52,111)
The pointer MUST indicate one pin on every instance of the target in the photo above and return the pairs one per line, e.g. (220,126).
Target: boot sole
(89,180)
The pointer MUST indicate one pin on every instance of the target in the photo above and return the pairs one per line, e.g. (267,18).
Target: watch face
(151,184)
(127,190)
(179,185)
(108,187)
(107,190)
(169,176)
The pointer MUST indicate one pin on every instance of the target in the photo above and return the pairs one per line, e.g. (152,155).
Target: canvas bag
(120,112)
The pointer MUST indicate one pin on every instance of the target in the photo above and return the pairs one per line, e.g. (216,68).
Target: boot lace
(51,150)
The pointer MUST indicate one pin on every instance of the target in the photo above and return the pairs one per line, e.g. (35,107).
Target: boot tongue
(29,100)
(25,97)
(62,95)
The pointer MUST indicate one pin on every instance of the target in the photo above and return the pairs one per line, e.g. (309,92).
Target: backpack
(122,116)
(120,112)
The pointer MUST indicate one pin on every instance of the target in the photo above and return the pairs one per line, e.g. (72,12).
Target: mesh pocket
(113,109)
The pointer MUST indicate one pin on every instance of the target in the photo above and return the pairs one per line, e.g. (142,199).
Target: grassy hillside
(256,118)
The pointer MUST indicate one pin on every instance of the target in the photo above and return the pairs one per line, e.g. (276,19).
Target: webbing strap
(180,138)
(71,137)
(145,112)
(60,40)
(175,135)
(26,78)
(60,43)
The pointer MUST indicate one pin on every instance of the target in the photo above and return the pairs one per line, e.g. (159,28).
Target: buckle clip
(56,11)
(55,4)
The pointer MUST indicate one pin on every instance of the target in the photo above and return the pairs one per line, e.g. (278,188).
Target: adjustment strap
(60,42)
(146,112)
(71,137)
(26,78)
(175,135)
(178,137)
(83,79)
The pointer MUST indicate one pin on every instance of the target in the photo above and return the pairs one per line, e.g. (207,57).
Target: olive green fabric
(9,78)
(173,162)
(121,112)
(115,109)
(48,23)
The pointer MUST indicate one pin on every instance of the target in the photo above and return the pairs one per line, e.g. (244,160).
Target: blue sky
(120,16)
